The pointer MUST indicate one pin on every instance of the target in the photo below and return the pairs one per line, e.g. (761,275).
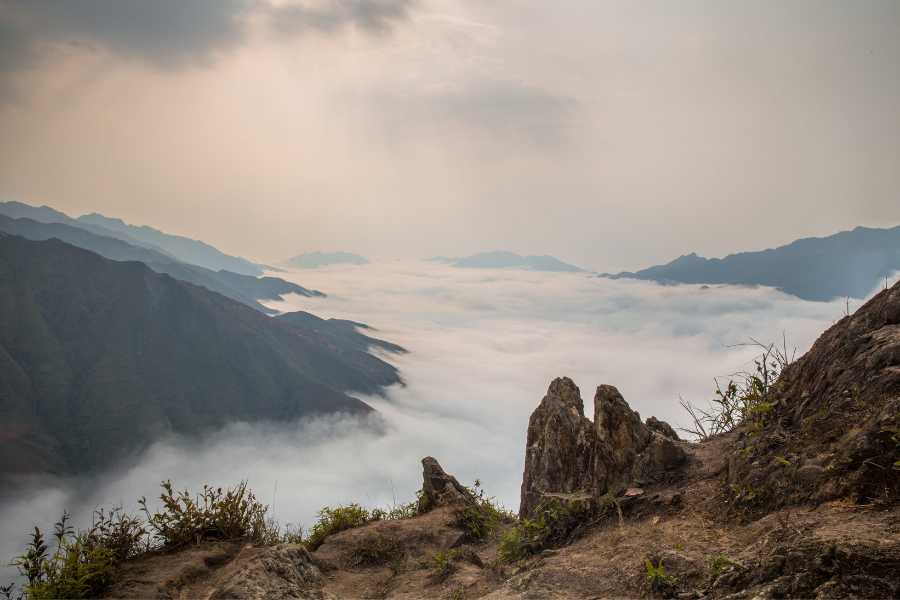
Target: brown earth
(802,503)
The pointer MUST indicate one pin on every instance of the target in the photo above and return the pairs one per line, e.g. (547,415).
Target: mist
(484,345)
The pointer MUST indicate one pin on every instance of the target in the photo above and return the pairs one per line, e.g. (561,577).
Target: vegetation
(442,564)
(657,579)
(554,523)
(747,397)
(718,564)
(481,518)
(332,520)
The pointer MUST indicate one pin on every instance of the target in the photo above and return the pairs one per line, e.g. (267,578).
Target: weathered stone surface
(568,454)
(284,571)
(439,488)
(560,448)
(662,427)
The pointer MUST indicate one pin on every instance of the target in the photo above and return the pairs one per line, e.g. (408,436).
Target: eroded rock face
(566,453)
(439,488)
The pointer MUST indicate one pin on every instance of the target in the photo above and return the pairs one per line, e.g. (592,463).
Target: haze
(610,134)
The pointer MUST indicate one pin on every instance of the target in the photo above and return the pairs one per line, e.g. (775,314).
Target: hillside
(511,260)
(849,263)
(98,356)
(243,288)
(177,247)
(791,503)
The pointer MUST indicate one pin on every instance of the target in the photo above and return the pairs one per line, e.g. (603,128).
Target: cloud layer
(484,346)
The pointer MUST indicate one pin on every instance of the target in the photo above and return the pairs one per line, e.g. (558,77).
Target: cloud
(484,346)
(372,16)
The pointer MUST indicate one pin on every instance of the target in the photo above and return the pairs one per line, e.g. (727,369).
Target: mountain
(511,260)
(184,249)
(314,260)
(849,263)
(243,288)
(99,356)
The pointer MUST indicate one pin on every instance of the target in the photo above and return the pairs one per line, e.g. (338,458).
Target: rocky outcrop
(566,453)
(439,488)
(834,425)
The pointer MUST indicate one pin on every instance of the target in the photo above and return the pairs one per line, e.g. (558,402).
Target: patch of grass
(657,579)
(481,518)
(718,564)
(377,550)
(553,523)
(332,520)
(442,564)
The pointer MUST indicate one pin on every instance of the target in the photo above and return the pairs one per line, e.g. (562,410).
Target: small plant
(442,564)
(214,514)
(79,568)
(657,579)
(332,520)
(748,397)
(553,523)
(718,564)
(481,518)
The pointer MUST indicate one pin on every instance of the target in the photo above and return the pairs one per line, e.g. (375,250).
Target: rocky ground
(801,501)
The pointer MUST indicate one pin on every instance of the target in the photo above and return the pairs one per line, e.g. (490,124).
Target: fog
(484,346)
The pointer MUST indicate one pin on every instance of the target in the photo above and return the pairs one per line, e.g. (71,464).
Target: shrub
(718,564)
(657,578)
(554,522)
(214,514)
(377,550)
(481,518)
(747,397)
(442,564)
(80,567)
(333,520)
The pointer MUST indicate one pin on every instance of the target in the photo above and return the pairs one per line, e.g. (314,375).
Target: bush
(214,514)
(657,578)
(482,517)
(555,522)
(442,564)
(747,397)
(81,567)
(333,520)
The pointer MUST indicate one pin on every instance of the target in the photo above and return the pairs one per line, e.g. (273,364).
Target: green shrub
(553,523)
(377,550)
(333,520)
(442,564)
(482,517)
(214,514)
(657,578)
(81,567)
(718,564)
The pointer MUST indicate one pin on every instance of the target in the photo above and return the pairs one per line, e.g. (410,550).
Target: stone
(662,428)
(440,488)
(561,447)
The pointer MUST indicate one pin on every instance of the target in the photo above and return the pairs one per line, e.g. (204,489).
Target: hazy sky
(610,134)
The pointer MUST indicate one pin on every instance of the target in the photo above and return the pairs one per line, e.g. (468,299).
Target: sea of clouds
(483,347)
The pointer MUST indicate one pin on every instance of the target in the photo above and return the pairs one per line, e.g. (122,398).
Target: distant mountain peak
(316,259)
(504,259)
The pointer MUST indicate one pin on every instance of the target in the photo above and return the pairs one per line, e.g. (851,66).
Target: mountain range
(846,264)
(97,357)
(501,259)
(314,260)
(181,248)
(244,288)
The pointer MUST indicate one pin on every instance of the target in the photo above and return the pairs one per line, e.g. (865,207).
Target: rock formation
(439,488)
(566,453)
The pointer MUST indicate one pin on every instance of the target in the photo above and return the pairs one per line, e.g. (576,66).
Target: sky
(484,346)
(612,134)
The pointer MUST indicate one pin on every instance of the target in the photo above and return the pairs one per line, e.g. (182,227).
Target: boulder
(662,428)
(439,488)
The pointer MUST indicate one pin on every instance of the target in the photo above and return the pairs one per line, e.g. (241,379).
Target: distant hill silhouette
(846,264)
(99,356)
(181,248)
(314,260)
(243,288)
(510,260)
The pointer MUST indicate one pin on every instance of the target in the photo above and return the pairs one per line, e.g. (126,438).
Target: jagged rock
(661,427)
(440,488)
(568,454)
(284,571)
(560,447)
